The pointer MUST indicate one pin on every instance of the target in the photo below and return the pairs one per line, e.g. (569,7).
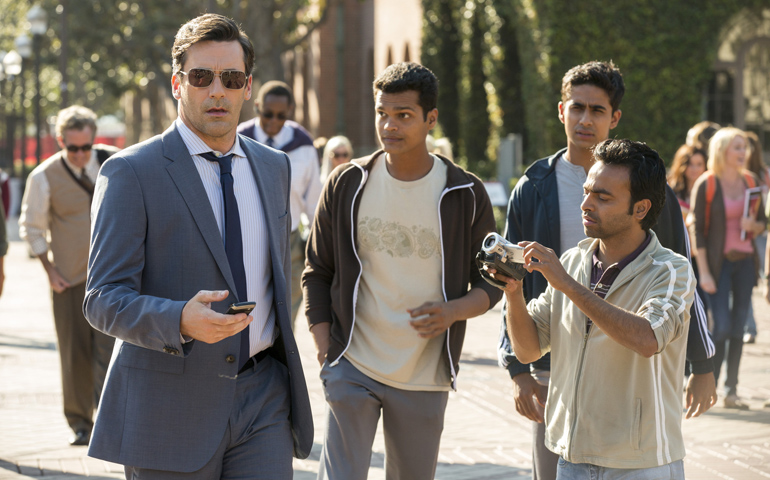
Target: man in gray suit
(184,225)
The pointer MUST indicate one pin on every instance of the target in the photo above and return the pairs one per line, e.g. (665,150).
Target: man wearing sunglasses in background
(275,105)
(57,206)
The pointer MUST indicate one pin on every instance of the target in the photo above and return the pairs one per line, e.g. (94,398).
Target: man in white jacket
(614,317)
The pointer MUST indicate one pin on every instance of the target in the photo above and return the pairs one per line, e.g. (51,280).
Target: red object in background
(49,147)
(5,193)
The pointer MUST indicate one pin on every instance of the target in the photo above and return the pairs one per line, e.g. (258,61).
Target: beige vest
(69,221)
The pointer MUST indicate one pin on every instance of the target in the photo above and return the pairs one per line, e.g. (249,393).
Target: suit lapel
(188,181)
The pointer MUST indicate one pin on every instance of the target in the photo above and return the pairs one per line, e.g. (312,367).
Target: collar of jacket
(455,176)
(588,246)
(540,170)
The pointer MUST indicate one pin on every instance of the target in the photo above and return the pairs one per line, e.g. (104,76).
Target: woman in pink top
(727,262)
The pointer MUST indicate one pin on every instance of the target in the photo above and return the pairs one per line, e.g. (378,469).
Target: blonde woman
(338,150)
(723,257)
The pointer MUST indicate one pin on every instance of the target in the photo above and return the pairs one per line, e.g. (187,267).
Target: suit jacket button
(170,350)
(230,359)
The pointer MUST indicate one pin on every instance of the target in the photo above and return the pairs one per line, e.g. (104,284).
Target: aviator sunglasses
(76,148)
(202,77)
(269,115)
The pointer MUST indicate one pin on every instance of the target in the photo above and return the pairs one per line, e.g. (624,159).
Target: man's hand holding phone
(202,323)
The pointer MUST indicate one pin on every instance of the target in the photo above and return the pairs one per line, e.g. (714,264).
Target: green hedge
(665,50)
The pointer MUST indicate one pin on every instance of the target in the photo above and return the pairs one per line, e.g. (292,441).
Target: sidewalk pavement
(483,438)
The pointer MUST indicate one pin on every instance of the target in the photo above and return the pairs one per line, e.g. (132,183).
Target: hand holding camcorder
(500,254)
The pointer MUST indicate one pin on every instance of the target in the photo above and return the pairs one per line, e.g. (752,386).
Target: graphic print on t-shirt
(397,240)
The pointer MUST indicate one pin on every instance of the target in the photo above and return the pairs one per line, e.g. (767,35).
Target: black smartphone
(241,307)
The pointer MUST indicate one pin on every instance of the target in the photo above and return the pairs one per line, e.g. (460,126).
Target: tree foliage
(441,52)
(475,119)
(666,51)
(461,44)
(116,46)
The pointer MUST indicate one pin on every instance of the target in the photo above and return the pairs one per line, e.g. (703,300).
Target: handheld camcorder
(500,254)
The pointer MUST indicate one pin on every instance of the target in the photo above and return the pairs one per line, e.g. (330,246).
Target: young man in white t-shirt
(389,262)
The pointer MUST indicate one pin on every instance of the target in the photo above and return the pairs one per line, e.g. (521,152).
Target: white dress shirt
(305,174)
(256,251)
(33,221)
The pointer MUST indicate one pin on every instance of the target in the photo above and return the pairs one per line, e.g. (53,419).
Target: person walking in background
(689,163)
(756,165)
(273,127)
(185,224)
(5,203)
(544,207)
(442,146)
(726,260)
(55,222)
(3,246)
(337,151)
(389,283)
(615,318)
(699,134)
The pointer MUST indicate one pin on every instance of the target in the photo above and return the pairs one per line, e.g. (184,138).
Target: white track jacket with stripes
(608,405)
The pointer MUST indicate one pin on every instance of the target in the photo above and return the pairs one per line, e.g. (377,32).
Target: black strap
(88,188)
(102,155)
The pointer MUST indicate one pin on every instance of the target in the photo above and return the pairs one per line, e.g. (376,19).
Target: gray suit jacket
(154,245)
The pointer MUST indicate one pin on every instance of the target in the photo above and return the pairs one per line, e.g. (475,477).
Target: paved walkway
(484,438)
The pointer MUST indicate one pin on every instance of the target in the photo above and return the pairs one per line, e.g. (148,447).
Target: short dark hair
(646,173)
(210,27)
(404,76)
(604,75)
(274,87)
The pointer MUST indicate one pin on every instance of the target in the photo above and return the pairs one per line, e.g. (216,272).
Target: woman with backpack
(723,229)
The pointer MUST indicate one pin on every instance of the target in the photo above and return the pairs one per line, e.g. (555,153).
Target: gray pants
(257,443)
(85,355)
(412,425)
(544,461)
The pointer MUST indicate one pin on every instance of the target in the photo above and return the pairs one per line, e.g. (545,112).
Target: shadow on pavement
(481,471)
(751,416)
(23,342)
(477,471)
(26,471)
(473,360)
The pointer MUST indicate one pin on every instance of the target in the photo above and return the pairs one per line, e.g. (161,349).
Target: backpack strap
(102,155)
(750,183)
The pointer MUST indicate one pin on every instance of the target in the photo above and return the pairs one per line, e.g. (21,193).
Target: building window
(719,98)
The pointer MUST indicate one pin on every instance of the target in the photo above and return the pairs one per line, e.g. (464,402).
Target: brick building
(332,74)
